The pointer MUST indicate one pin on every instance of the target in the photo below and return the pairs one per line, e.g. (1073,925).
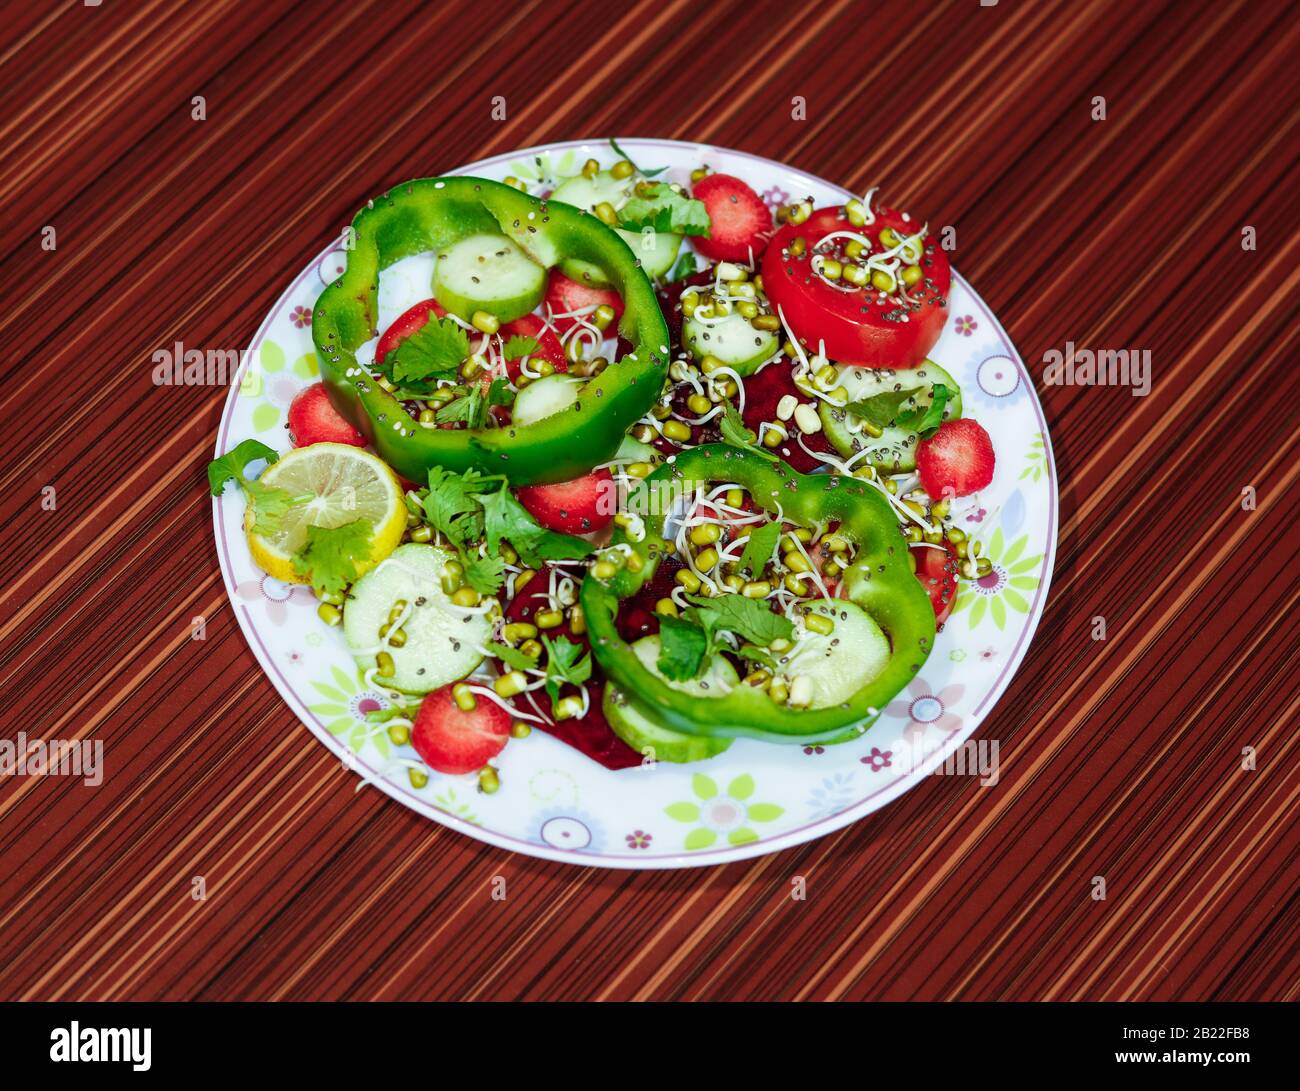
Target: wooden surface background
(1120,759)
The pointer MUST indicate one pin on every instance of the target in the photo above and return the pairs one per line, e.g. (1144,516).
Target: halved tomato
(857,325)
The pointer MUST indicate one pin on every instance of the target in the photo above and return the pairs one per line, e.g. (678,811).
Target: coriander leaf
(450,495)
(471,409)
(925,420)
(513,657)
(435,351)
(885,409)
(485,574)
(518,347)
(747,618)
(734,432)
(564,665)
(759,548)
(231,465)
(266,503)
(501,393)
(644,173)
(269,505)
(682,647)
(665,210)
(504,517)
(329,557)
(686,266)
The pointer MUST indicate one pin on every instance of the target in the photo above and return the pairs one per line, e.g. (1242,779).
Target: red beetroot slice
(589,734)
(762,393)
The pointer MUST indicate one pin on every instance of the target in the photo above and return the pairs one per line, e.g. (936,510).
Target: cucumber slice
(544,398)
(635,450)
(895,448)
(488,273)
(732,340)
(587,193)
(842,662)
(442,640)
(647,737)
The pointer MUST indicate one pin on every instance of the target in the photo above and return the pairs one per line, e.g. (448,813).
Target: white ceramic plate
(756,798)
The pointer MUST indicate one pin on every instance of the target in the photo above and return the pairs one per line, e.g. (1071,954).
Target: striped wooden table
(1121,759)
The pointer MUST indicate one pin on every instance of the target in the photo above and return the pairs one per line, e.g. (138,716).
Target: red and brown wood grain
(1120,758)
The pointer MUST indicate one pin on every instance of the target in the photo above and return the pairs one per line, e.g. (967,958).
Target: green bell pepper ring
(433,213)
(880,581)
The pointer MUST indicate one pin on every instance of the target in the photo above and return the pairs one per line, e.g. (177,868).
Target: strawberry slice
(312,419)
(565,295)
(957,460)
(937,571)
(739,222)
(451,740)
(572,507)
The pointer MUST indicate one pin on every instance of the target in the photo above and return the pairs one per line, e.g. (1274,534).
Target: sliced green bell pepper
(433,213)
(880,581)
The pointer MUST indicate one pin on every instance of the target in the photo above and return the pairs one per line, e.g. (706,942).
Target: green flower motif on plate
(1003,588)
(542,172)
(1035,460)
(715,814)
(447,801)
(343,712)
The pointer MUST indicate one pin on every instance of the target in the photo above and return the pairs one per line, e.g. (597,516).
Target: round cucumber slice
(839,663)
(488,273)
(544,398)
(602,187)
(647,737)
(895,448)
(442,640)
(732,340)
(586,193)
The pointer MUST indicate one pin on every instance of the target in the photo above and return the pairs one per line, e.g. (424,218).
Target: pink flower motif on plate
(300,317)
(926,709)
(878,759)
(965,325)
(275,594)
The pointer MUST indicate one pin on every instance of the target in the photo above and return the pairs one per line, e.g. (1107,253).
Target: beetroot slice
(589,734)
(762,393)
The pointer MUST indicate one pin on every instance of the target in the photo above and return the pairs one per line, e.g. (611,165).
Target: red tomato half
(855,326)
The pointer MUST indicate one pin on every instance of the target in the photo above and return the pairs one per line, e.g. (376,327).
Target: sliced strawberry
(937,571)
(763,391)
(453,741)
(548,345)
(312,419)
(563,296)
(572,507)
(956,461)
(739,222)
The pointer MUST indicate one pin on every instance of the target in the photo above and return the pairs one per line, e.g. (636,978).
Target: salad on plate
(651,469)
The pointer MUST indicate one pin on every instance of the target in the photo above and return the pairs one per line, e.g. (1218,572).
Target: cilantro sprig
(886,409)
(267,503)
(664,209)
(644,173)
(687,643)
(434,351)
(330,558)
(565,664)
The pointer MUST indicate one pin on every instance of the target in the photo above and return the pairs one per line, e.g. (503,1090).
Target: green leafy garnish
(435,351)
(504,517)
(469,409)
(501,393)
(563,664)
(732,427)
(758,548)
(330,556)
(644,173)
(267,503)
(485,574)
(749,619)
(682,649)
(756,655)
(450,506)
(686,266)
(513,657)
(885,410)
(665,210)
(518,347)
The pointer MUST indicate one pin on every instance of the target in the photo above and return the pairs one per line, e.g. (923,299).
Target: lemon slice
(345,484)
